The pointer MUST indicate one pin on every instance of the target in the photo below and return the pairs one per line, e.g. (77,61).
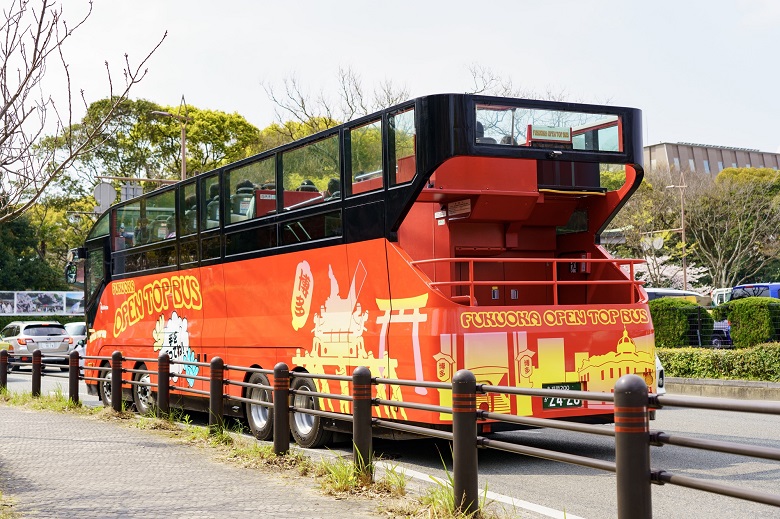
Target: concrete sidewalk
(60,465)
(716,388)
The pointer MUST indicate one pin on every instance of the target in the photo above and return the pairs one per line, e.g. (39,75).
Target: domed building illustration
(601,372)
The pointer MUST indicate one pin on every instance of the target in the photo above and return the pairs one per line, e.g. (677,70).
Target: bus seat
(212,209)
(239,203)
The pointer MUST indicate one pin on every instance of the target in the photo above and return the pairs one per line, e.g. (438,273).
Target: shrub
(760,362)
(754,320)
(680,323)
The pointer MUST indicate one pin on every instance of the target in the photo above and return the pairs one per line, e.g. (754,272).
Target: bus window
(403,146)
(245,183)
(510,125)
(160,212)
(306,172)
(188,209)
(209,202)
(366,154)
(315,227)
(101,227)
(128,219)
(94,273)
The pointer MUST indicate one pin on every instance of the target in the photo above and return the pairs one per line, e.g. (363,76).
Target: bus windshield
(517,126)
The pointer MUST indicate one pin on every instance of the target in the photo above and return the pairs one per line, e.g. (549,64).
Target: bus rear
(498,263)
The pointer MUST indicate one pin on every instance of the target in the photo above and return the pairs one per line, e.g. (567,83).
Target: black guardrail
(632,406)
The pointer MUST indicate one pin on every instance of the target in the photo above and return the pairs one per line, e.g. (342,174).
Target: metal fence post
(37,370)
(216,396)
(281,408)
(362,448)
(464,441)
(632,448)
(3,369)
(163,385)
(116,381)
(73,376)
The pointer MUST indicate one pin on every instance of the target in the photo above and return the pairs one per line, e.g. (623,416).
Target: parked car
(22,338)
(756,290)
(720,296)
(78,332)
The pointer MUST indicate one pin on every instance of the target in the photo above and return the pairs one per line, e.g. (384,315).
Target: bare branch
(28,38)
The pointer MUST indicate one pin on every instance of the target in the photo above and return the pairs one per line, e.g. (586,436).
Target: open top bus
(449,232)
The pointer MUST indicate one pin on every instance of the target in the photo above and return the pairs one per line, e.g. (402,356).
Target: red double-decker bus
(451,231)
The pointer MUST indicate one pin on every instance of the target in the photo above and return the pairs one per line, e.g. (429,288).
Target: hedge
(754,320)
(680,323)
(760,362)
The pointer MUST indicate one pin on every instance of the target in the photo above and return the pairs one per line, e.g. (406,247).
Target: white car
(78,332)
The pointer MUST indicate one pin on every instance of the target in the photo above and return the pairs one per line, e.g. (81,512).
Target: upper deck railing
(633,294)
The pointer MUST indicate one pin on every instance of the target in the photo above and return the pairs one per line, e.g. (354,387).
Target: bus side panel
(146,316)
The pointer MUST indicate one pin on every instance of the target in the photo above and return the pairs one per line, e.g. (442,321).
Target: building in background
(704,158)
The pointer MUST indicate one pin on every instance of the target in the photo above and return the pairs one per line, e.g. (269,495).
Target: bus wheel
(142,395)
(260,418)
(307,429)
(104,386)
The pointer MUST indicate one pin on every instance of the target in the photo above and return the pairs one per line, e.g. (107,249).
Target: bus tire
(307,430)
(104,386)
(259,418)
(142,395)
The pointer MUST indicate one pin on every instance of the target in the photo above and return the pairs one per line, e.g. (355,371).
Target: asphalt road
(579,491)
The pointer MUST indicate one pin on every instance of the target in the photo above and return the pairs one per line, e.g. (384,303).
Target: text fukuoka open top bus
(448,232)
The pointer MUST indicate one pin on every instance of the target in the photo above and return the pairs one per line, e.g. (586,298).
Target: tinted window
(366,155)
(243,186)
(43,330)
(402,149)
(76,328)
(755,291)
(307,171)
(209,202)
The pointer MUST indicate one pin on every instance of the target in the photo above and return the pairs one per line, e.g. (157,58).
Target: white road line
(518,503)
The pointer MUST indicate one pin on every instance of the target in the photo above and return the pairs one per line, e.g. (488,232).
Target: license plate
(553,402)
(49,345)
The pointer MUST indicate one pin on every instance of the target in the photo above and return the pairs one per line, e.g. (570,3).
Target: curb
(717,388)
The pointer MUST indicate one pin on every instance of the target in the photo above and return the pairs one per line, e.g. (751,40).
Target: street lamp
(682,187)
(183,119)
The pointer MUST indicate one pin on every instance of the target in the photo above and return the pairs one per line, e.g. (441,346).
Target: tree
(136,144)
(298,113)
(33,40)
(733,221)
(648,222)
(21,263)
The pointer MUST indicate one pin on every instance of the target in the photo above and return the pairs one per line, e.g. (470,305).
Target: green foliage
(140,144)
(22,266)
(757,363)
(754,320)
(613,180)
(678,322)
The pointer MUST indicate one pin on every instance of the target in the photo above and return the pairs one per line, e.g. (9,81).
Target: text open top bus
(451,231)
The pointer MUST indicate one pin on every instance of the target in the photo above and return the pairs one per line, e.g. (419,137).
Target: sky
(705,72)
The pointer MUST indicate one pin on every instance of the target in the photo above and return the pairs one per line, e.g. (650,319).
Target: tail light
(69,340)
(24,342)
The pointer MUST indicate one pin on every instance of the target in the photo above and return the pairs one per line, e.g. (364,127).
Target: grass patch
(7,507)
